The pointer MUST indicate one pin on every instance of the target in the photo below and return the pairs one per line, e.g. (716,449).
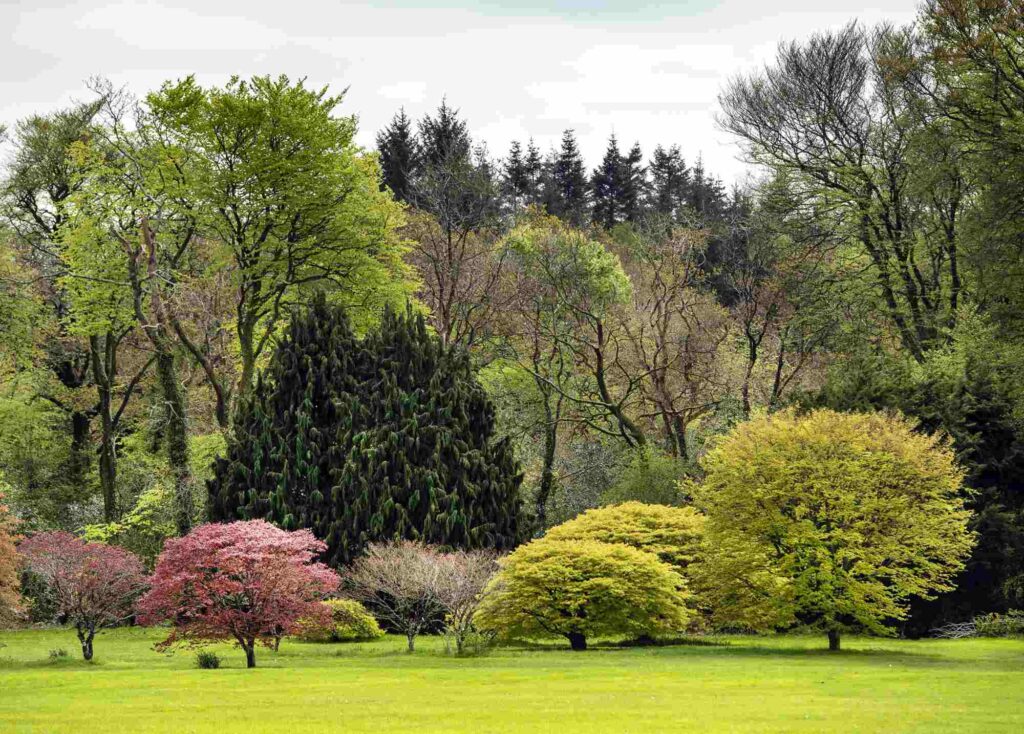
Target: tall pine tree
(381,438)
(399,155)
(567,198)
(605,186)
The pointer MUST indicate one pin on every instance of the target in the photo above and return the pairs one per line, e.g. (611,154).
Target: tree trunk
(103,370)
(250,654)
(411,637)
(86,634)
(547,475)
(577,641)
(833,640)
(78,462)
(177,438)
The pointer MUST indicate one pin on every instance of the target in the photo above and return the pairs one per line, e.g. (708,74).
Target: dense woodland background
(620,313)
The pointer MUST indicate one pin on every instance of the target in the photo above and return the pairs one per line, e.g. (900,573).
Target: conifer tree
(444,138)
(567,199)
(632,184)
(399,156)
(384,438)
(605,183)
(670,181)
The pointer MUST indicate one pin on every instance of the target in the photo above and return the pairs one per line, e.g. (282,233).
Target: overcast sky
(648,71)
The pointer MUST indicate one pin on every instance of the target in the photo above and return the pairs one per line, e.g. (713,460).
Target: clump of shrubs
(348,621)
(1010,624)
(58,653)
(207,660)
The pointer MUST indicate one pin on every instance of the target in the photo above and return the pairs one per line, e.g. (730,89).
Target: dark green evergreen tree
(381,438)
(605,186)
(632,185)
(399,156)
(567,198)
(444,138)
(670,181)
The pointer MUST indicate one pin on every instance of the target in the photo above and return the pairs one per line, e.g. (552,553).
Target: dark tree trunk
(176,438)
(86,634)
(577,641)
(411,637)
(78,462)
(103,370)
(833,640)
(250,654)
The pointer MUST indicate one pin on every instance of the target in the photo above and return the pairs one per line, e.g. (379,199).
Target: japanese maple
(244,581)
(93,585)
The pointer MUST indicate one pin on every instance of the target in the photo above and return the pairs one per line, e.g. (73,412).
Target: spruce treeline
(438,160)
(360,440)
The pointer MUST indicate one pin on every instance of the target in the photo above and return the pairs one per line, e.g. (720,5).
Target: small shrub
(207,660)
(1010,624)
(58,653)
(349,621)
(469,643)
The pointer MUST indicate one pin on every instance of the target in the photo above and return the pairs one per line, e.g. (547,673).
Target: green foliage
(651,477)
(349,621)
(829,520)
(582,589)
(970,389)
(207,660)
(1010,624)
(372,439)
(673,534)
(148,485)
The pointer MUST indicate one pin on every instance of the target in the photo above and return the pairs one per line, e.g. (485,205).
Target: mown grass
(770,684)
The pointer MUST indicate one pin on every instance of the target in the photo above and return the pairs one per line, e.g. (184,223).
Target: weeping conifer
(370,439)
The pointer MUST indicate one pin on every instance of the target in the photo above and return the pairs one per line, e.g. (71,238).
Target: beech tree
(245,581)
(831,521)
(92,585)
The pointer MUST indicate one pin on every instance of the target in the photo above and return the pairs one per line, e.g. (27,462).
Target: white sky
(647,70)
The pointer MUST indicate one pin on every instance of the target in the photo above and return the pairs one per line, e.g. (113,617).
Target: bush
(207,660)
(580,589)
(58,653)
(349,621)
(671,533)
(1010,624)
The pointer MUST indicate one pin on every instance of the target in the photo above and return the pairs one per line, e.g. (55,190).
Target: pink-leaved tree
(244,581)
(92,585)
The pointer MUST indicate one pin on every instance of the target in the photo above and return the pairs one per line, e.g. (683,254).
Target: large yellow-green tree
(828,520)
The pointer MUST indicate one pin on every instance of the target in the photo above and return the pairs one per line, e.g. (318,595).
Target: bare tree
(397,582)
(461,582)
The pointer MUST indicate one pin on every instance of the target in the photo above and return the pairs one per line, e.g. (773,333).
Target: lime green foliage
(829,520)
(350,621)
(652,477)
(671,533)
(582,589)
(750,685)
(150,521)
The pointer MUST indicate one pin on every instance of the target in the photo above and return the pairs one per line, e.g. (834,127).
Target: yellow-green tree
(829,520)
(673,534)
(581,589)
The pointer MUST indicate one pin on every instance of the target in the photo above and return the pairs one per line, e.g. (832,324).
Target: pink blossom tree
(244,581)
(93,585)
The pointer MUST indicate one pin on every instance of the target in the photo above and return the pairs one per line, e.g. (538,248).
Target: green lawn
(748,684)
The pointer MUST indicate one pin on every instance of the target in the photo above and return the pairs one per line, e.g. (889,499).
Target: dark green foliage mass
(372,439)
